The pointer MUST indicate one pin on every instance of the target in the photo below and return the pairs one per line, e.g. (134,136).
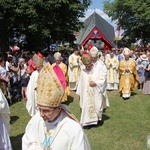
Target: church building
(96,31)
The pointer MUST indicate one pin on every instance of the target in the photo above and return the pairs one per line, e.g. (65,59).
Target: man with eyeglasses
(54,127)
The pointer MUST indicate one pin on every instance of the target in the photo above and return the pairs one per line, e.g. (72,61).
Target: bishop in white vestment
(53,127)
(103,70)
(90,89)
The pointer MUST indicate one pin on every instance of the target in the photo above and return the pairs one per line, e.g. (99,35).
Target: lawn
(125,125)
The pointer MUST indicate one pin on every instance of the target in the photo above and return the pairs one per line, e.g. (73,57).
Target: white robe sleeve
(80,141)
(99,79)
(72,137)
(82,86)
(4,110)
(30,139)
(31,94)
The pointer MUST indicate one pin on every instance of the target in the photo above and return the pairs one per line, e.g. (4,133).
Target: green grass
(125,124)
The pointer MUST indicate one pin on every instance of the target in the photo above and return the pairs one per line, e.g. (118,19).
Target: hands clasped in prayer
(92,83)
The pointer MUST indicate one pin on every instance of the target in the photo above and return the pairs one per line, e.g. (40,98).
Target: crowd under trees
(46,21)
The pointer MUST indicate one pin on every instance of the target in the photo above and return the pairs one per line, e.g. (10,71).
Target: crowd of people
(43,80)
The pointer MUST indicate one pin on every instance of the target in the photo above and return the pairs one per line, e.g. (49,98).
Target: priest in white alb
(74,69)
(31,93)
(112,64)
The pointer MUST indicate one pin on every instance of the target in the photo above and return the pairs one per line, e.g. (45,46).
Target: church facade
(96,31)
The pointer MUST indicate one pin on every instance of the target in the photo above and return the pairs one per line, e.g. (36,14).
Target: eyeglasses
(46,112)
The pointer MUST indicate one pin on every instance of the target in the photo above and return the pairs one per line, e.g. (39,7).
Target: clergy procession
(46,81)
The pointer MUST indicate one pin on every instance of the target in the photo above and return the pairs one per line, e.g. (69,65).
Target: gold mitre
(38,59)
(49,88)
(86,58)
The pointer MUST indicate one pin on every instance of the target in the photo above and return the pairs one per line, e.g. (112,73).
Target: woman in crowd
(146,86)
(13,79)
(142,62)
(24,78)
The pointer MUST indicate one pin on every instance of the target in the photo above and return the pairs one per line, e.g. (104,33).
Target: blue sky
(97,5)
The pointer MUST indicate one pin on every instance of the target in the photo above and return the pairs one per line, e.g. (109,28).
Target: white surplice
(4,123)
(32,94)
(91,98)
(100,65)
(112,64)
(61,134)
(74,70)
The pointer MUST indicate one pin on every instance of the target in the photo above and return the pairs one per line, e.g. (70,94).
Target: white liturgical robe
(91,98)
(31,94)
(74,70)
(5,143)
(112,64)
(103,70)
(62,134)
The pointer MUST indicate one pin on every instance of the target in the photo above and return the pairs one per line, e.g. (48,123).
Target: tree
(40,20)
(132,16)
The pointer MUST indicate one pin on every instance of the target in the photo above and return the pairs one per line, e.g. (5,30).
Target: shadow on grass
(13,119)
(133,93)
(16,142)
(100,123)
(104,118)
(69,100)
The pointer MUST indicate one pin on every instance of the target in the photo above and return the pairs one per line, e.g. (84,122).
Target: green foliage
(132,16)
(64,48)
(132,47)
(55,19)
